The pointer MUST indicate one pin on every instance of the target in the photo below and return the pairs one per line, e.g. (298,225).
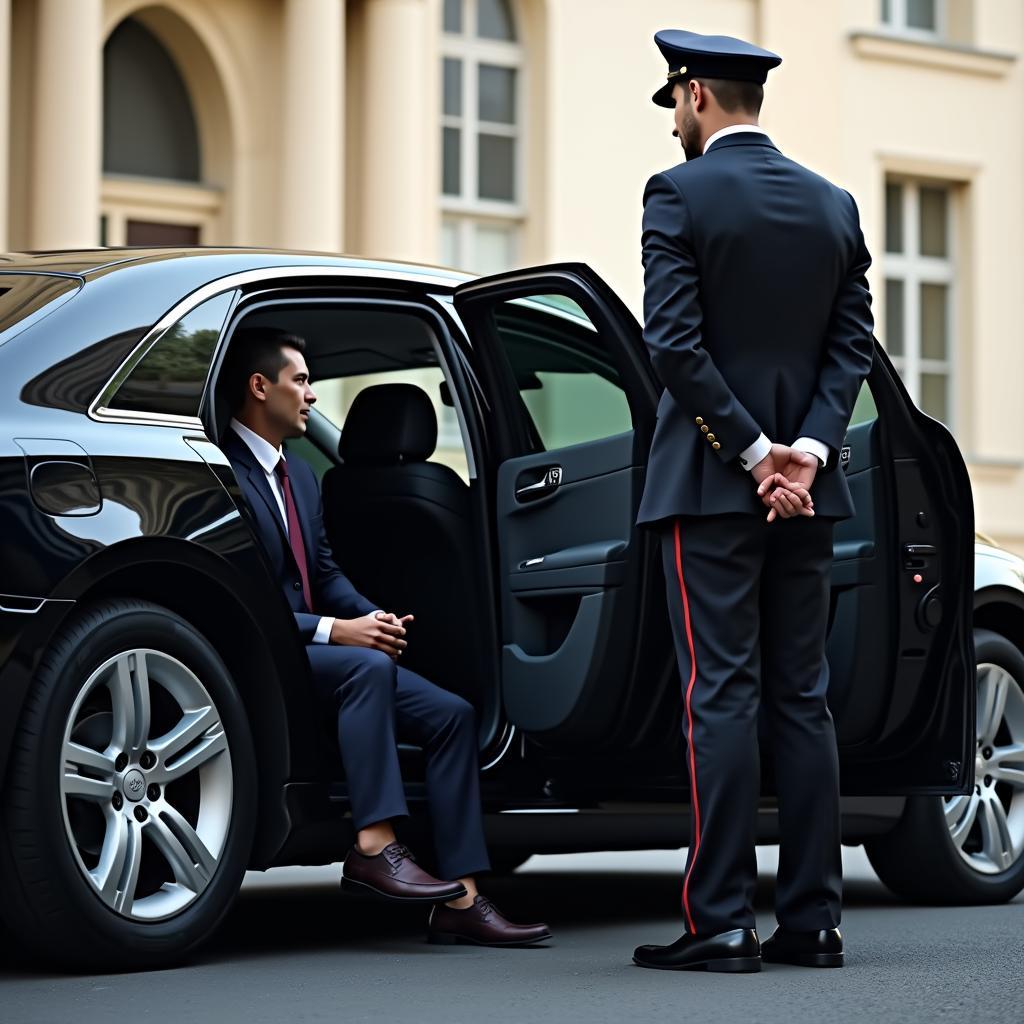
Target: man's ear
(698,95)
(258,387)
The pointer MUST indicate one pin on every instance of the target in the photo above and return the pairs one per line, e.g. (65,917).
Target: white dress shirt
(751,456)
(268,457)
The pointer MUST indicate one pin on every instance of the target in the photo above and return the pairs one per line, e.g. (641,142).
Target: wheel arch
(203,590)
(1000,608)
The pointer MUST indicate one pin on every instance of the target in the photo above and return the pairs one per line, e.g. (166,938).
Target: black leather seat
(401,530)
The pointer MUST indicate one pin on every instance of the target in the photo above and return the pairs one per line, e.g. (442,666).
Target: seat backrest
(401,530)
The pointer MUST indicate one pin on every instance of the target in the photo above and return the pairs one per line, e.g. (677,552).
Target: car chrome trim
(40,603)
(504,749)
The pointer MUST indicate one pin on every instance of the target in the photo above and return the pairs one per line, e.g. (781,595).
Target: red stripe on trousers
(689,739)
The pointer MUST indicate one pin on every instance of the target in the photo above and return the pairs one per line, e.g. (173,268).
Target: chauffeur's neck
(726,121)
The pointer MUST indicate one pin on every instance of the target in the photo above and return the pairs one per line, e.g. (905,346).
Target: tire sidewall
(104,935)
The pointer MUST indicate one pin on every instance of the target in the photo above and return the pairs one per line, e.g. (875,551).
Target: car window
(864,409)
(170,377)
(336,395)
(566,379)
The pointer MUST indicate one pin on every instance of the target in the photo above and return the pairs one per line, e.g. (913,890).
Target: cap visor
(663,97)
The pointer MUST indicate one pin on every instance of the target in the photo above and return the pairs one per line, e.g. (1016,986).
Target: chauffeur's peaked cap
(690,55)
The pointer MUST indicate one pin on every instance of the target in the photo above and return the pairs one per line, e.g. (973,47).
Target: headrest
(389,424)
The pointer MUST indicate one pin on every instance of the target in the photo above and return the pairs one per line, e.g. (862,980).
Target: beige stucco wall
(359,170)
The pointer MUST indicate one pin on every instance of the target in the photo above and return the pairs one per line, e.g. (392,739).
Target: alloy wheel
(987,825)
(146,784)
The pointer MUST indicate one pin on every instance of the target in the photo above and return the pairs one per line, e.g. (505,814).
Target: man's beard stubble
(691,136)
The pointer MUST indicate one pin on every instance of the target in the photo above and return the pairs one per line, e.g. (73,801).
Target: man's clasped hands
(784,478)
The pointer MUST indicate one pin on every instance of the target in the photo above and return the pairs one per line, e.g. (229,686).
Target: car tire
(919,859)
(104,863)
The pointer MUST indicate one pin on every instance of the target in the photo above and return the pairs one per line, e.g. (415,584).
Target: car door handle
(547,484)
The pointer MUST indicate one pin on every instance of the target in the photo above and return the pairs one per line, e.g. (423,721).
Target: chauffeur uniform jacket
(758,319)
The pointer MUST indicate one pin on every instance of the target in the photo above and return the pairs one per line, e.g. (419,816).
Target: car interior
(400,521)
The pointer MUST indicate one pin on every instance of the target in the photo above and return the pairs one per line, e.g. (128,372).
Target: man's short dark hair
(734,96)
(256,350)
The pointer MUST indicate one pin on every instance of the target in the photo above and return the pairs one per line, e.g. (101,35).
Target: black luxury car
(158,735)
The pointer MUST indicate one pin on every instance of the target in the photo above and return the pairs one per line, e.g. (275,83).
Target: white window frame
(466,211)
(897,22)
(913,270)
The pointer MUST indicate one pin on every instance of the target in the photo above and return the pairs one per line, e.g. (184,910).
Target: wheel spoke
(961,813)
(85,757)
(129,695)
(993,687)
(85,787)
(185,853)
(1007,764)
(995,833)
(117,874)
(196,739)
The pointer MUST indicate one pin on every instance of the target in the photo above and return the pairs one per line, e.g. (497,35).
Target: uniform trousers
(748,602)
(379,704)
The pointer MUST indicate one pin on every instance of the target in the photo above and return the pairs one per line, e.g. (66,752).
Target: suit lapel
(254,482)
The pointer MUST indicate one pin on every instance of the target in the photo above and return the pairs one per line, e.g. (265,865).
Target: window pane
(894,317)
(935,395)
(887,11)
(171,376)
(451,145)
(453,15)
(934,218)
(493,248)
(450,244)
(922,14)
(935,321)
(496,167)
(565,375)
(452,87)
(893,218)
(864,409)
(494,20)
(497,89)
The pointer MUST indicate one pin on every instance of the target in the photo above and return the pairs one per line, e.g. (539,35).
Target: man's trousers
(748,602)
(379,704)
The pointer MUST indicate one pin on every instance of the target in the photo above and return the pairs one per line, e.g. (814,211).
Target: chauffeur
(758,323)
(353,651)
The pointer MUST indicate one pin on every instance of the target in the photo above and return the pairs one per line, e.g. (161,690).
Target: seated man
(354,650)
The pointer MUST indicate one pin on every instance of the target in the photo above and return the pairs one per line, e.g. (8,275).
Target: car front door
(582,595)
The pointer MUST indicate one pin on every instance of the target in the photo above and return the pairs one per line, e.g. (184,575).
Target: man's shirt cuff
(323,631)
(751,456)
(816,448)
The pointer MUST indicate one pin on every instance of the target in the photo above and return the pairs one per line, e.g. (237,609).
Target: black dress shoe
(805,949)
(394,874)
(733,952)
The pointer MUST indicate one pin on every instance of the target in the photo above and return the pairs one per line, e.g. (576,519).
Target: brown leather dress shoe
(480,925)
(394,874)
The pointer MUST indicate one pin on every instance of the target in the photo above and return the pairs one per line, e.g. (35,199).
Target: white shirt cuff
(751,456)
(816,448)
(323,631)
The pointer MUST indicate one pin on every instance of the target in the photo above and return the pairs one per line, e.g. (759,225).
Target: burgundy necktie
(294,531)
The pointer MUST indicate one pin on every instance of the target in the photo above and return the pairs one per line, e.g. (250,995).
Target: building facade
(487,134)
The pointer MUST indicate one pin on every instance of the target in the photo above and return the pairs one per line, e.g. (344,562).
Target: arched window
(153,192)
(149,129)
(481,135)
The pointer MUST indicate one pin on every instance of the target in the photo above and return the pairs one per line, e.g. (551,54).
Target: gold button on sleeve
(700,420)
(711,437)
(716,446)
(705,428)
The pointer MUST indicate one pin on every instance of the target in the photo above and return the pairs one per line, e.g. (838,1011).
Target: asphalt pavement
(295,949)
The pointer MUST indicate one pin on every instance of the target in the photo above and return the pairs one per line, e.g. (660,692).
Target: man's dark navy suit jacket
(333,593)
(757,318)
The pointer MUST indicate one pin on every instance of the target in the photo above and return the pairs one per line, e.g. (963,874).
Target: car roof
(87,263)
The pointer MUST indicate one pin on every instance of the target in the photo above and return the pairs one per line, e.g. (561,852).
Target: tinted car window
(24,298)
(563,370)
(171,375)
